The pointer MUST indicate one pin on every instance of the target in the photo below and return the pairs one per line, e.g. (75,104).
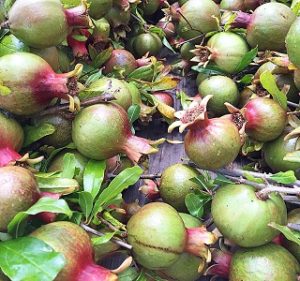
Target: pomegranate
(77,250)
(185,51)
(175,184)
(276,150)
(167,26)
(11,140)
(63,130)
(265,119)
(147,43)
(223,89)
(48,24)
(35,86)
(50,55)
(225,49)
(243,217)
(120,60)
(240,5)
(293,217)
(18,192)
(267,26)
(164,97)
(117,17)
(101,31)
(98,8)
(107,141)
(149,7)
(197,17)
(209,143)
(268,262)
(292,41)
(118,88)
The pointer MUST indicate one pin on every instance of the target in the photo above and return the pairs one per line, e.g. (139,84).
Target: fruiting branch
(264,193)
(114,240)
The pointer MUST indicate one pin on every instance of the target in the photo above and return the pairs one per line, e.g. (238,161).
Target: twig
(264,193)
(58,108)
(292,104)
(114,240)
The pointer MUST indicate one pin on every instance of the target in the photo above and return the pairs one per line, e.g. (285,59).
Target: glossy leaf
(168,45)
(93,176)
(57,185)
(195,205)
(133,113)
(86,203)
(290,234)
(69,166)
(268,81)
(103,239)
(287,177)
(102,57)
(30,259)
(35,133)
(45,204)
(246,60)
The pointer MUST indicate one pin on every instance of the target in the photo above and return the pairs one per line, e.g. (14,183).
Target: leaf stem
(114,240)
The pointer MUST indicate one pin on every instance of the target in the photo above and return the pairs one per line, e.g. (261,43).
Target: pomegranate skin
(265,119)
(292,43)
(213,143)
(33,88)
(96,138)
(18,192)
(268,262)
(77,250)
(11,141)
(98,8)
(29,19)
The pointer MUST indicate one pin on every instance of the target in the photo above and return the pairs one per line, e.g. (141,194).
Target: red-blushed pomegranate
(120,60)
(209,143)
(265,119)
(167,26)
(96,138)
(267,26)
(35,85)
(268,262)
(79,47)
(18,192)
(11,140)
(74,243)
(164,97)
(44,23)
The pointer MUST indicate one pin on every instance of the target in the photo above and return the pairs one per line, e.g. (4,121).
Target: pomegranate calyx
(203,55)
(197,240)
(197,111)
(149,189)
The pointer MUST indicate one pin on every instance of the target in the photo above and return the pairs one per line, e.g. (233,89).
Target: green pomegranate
(98,8)
(243,218)
(292,41)
(276,150)
(223,89)
(157,234)
(175,184)
(198,17)
(268,262)
(50,55)
(293,217)
(18,192)
(149,7)
(146,43)
(117,88)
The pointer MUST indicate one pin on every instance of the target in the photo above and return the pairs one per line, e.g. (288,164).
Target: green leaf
(249,177)
(57,185)
(290,234)
(35,133)
(246,79)
(246,60)
(195,205)
(296,9)
(80,38)
(86,203)
(185,100)
(222,180)
(268,81)
(93,176)
(168,45)
(287,177)
(102,57)
(200,181)
(11,44)
(69,166)
(45,204)
(122,181)
(145,72)
(128,275)
(210,70)
(133,113)
(30,259)
(292,156)
(103,239)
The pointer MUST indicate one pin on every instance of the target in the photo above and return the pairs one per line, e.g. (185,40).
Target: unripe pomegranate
(268,262)
(117,17)
(292,41)
(157,234)
(98,8)
(18,192)
(197,17)
(35,85)
(176,183)
(77,250)
(267,26)
(11,140)
(223,89)
(50,55)
(243,218)
(149,7)
(95,138)
(101,31)
(44,23)
(147,43)
(293,217)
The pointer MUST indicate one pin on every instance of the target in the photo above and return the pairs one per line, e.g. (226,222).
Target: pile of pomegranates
(149,140)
